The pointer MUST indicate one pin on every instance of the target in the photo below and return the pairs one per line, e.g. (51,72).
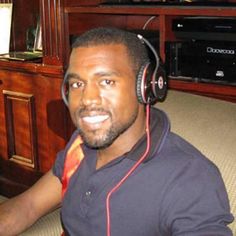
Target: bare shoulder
(41,198)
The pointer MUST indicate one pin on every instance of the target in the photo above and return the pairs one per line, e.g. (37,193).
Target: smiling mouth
(96,119)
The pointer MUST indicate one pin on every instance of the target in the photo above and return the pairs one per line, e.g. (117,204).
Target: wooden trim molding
(21,128)
(52,20)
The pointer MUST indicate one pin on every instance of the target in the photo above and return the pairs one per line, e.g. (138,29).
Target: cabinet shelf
(223,92)
(157,10)
(31,67)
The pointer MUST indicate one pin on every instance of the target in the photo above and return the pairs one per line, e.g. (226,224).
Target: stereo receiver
(210,60)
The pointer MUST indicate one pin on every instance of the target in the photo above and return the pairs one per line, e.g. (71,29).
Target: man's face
(102,96)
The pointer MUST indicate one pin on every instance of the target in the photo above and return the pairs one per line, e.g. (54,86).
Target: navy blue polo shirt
(175,191)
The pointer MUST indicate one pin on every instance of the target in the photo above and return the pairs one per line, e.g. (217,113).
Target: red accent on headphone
(144,84)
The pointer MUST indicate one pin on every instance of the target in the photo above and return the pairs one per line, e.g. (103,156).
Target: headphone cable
(132,169)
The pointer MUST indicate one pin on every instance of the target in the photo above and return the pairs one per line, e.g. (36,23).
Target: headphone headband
(151,83)
(152,49)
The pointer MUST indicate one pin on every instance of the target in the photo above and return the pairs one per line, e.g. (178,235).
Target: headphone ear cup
(141,84)
(159,84)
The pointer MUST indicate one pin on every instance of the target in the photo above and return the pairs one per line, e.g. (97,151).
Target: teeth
(95,119)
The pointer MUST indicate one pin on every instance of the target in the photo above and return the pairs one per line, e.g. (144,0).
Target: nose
(91,95)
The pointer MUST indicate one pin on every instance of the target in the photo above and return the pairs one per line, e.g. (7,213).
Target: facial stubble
(97,140)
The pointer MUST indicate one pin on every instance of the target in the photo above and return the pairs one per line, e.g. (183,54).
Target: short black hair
(136,49)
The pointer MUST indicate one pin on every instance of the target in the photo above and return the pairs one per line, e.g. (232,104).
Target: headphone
(151,81)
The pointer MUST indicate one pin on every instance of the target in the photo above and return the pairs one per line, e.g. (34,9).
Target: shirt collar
(159,128)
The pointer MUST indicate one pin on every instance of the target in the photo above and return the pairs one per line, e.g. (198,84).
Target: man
(174,190)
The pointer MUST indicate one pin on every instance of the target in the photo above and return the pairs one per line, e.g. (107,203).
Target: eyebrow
(107,73)
(69,76)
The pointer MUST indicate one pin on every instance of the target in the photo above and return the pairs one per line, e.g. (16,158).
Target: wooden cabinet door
(33,128)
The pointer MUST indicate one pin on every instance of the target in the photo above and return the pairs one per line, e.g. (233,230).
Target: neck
(123,144)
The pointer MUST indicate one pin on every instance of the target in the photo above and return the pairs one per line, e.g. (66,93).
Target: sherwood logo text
(220,51)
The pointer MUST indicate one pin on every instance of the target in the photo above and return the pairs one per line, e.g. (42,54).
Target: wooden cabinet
(33,118)
(34,122)
(32,127)
(152,17)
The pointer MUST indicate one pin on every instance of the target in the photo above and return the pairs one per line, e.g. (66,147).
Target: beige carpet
(210,125)
(48,225)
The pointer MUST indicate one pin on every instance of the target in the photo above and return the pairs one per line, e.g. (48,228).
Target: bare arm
(22,211)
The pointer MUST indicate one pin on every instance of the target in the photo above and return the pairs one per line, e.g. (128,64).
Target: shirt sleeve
(197,202)
(58,166)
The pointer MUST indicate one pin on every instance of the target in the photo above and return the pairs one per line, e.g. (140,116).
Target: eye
(106,82)
(75,84)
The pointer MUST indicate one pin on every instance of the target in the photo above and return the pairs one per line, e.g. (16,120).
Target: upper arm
(44,195)
(20,212)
